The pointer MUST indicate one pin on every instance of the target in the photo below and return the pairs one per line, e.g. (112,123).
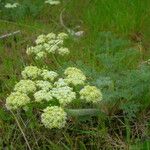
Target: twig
(9,34)
(70,31)
(21,130)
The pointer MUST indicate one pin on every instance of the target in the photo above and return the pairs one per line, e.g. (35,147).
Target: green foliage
(111,60)
(25,9)
(140,146)
(122,77)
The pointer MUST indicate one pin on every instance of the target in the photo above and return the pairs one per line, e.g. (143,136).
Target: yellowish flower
(40,39)
(91,94)
(42,95)
(31,72)
(9,5)
(74,76)
(62,36)
(25,86)
(64,95)
(49,75)
(54,117)
(43,85)
(63,51)
(61,83)
(48,44)
(52,2)
(16,100)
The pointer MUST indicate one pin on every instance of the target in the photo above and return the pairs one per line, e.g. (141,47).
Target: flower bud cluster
(54,117)
(64,95)
(75,76)
(49,75)
(91,94)
(25,86)
(10,5)
(52,2)
(49,44)
(43,95)
(61,83)
(31,72)
(17,100)
(44,85)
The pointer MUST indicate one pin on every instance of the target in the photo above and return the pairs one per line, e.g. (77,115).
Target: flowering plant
(58,91)
(49,44)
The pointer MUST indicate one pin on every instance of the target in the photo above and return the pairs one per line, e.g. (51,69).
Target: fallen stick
(9,34)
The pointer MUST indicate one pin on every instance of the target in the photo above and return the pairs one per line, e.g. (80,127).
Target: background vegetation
(113,52)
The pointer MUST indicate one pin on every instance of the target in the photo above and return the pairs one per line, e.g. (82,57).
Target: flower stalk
(83,112)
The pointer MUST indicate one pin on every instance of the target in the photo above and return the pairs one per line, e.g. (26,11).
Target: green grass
(115,43)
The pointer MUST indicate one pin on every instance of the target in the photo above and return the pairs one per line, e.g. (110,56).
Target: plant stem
(84,112)
(56,61)
(17,121)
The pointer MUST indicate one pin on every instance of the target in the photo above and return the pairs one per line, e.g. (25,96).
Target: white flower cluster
(31,72)
(44,85)
(49,75)
(16,100)
(25,86)
(9,5)
(61,83)
(91,94)
(43,95)
(54,117)
(52,2)
(75,76)
(49,44)
(64,95)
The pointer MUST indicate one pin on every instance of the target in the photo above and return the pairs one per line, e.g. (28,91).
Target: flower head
(76,79)
(49,75)
(48,44)
(31,72)
(34,49)
(52,2)
(75,76)
(61,83)
(91,94)
(40,55)
(64,95)
(54,117)
(72,70)
(9,5)
(51,49)
(17,100)
(62,36)
(40,39)
(42,95)
(63,51)
(51,36)
(43,85)
(25,86)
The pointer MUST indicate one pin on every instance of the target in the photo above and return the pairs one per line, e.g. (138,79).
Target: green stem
(24,136)
(83,112)
(56,60)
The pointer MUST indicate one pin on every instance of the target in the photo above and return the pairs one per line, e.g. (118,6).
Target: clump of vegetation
(87,89)
(42,85)
(49,44)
